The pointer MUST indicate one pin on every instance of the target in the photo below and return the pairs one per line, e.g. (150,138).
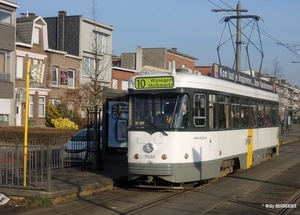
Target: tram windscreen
(161,110)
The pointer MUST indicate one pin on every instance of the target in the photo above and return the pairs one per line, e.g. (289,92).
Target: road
(257,190)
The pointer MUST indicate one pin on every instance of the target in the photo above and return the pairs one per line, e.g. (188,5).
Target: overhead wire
(294,52)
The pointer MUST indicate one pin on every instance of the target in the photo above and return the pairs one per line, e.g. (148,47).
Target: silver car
(80,146)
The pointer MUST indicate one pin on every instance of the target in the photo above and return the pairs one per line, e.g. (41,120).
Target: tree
(96,67)
(277,70)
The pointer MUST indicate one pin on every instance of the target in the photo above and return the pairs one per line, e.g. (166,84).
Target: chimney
(61,30)
(139,59)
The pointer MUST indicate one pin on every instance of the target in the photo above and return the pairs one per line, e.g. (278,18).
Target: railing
(43,155)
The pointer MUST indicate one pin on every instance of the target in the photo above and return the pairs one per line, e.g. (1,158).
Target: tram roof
(198,81)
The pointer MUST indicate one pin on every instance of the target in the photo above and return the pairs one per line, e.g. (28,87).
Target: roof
(24,29)
(181,54)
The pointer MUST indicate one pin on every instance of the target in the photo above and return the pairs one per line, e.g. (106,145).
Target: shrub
(52,112)
(64,123)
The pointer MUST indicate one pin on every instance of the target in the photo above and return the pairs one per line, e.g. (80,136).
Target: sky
(192,28)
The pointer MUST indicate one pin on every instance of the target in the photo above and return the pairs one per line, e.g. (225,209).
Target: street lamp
(295,61)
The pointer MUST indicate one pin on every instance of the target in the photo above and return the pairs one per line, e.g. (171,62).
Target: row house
(120,76)
(156,57)
(63,47)
(7,61)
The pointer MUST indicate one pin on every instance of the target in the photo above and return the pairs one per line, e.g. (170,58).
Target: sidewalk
(73,182)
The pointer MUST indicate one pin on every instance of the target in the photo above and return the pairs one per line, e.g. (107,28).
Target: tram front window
(160,111)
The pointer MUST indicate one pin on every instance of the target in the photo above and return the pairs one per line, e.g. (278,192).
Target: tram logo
(216,70)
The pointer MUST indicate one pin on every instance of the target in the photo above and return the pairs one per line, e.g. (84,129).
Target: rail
(43,155)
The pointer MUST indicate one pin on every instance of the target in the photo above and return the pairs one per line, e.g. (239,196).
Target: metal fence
(43,155)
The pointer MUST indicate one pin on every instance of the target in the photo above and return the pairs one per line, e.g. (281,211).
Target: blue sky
(192,27)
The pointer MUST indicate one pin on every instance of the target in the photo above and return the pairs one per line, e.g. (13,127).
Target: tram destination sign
(232,75)
(154,82)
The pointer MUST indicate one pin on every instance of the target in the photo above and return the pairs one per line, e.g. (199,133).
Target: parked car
(76,149)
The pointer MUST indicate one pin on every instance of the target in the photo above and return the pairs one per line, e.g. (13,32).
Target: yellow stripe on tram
(249,148)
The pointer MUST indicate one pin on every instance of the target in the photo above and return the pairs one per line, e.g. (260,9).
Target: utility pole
(238,11)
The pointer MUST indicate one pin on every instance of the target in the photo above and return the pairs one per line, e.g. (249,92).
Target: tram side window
(212,111)
(244,113)
(253,114)
(235,112)
(261,114)
(199,110)
(224,113)
(268,114)
(274,111)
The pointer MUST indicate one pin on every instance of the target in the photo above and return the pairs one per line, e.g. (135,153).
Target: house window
(2,61)
(55,76)
(41,106)
(100,42)
(31,105)
(114,84)
(124,85)
(5,17)
(20,64)
(36,35)
(88,66)
(55,102)
(71,78)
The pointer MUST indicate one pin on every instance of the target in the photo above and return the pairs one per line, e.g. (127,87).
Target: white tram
(232,123)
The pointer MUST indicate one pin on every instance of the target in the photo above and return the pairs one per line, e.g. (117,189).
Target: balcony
(4,77)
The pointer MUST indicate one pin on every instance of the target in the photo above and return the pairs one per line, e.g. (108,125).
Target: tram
(186,127)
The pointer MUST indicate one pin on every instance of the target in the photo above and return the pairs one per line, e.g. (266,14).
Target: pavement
(73,182)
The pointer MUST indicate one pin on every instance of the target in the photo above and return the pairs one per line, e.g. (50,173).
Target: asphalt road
(263,189)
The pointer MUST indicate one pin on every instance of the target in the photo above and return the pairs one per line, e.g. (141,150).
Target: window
(199,110)
(100,42)
(2,61)
(235,112)
(55,76)
(244,112)
(31,105)
(41,106)
(224,113)
(274,114)
(261,114)
(4,119)
(20,61)
(114,84)
(88,66)
(55,101)
(71,78)
(212,111)
(5,17)
(124,85)
(36,35)
(268,114)
(253,114)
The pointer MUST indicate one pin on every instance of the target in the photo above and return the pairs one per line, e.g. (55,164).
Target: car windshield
(157,111)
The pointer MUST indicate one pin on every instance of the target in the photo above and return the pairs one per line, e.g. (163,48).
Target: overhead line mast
(238,11)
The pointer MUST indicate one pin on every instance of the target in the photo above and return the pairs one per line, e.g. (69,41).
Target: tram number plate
(149,156)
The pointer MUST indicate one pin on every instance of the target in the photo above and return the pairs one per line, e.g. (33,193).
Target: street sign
(37,72)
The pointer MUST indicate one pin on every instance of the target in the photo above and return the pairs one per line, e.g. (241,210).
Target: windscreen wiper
(157,128)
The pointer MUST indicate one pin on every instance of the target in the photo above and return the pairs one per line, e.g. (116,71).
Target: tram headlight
(186,156)
(136,156)
(148,147)
(164,157)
